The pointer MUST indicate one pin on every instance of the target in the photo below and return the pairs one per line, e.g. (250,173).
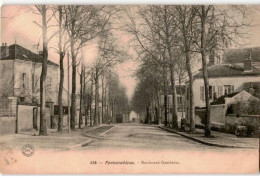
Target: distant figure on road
(183,124)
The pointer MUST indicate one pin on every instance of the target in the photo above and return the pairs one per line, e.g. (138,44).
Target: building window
(179,99)
(202,95)
(23,80)
(220,91)
(228,89)
(211,91)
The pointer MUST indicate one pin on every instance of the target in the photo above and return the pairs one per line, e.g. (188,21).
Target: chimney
(4,50)
(248,63)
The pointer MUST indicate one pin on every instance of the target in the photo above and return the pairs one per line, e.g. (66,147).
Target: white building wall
(26,67)
(237,82)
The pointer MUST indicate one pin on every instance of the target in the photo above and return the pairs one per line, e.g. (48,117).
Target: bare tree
(147,94)
(185,17)
(42,10)
(83,24)
(109,55)
(158,31)
(217,28)
(62,48)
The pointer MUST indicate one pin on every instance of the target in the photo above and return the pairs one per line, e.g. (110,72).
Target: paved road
(130,136)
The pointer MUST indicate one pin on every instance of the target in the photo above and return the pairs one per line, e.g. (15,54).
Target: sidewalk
(219,139)
(54,141)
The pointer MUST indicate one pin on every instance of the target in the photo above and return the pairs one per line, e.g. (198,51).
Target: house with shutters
(225,79)
(180,92)
(20,71)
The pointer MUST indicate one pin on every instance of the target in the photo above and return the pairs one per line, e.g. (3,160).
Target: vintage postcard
(130,89)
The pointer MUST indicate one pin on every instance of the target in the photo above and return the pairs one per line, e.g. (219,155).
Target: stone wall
(217,116)
(8,119)
(25,117)
(200,116)
(7,124)
(251,121)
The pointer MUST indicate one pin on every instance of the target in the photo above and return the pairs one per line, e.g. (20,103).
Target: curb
(106,131)
(201,141)
(83,144)
(100,136)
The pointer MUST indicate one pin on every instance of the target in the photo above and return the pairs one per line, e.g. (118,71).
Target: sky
(17,25)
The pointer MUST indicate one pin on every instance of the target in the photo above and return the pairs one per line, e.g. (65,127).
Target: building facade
(180,91)
(20,71)
(224,79)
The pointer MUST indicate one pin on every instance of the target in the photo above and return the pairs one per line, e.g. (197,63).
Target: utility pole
(68,93)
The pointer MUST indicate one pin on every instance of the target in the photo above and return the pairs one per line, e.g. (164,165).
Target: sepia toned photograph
(130,89)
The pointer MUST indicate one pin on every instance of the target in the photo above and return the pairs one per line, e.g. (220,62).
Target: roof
(227,71)
(21,53)
(221,99)
(240,55)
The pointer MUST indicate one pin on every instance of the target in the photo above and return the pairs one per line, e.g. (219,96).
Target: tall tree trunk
(174,100)
(165,96)
(158,109)
(60,119)
(113,111)
(186,29)
(86,103)
(170,53)
(102,96)
(165,110)
(43,124)
(181,96)
(191,94)
(81,97)
(91,101)
(74,71)
(156,114)
(147,114)
(205,71)
(86,115)
(105,104)
(96,114)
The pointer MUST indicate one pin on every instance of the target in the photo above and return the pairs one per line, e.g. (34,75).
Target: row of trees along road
(74,27)
(171,41)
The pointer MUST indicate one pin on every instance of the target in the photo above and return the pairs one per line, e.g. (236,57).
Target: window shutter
(21,80)
(202,92)
(220,91)
(232,88)
(27,82)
